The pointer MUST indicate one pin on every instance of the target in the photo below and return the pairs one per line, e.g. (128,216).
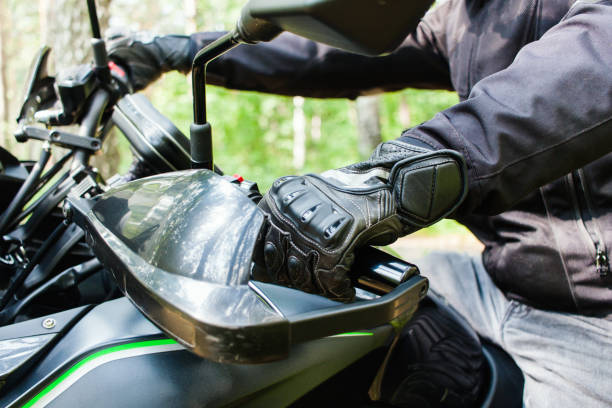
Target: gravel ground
(416,245)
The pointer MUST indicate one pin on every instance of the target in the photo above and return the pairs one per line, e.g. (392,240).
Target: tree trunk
(68,32)
(404,112)
(299,133)
(43,15)
(368,124)
(67,29)
(191,13)
(4,91)
(6,85)
(315,128)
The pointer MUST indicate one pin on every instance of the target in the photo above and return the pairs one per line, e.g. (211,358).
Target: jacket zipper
(589,226)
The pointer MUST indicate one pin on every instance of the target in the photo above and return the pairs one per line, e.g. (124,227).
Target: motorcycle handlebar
(91,121)
(378,272)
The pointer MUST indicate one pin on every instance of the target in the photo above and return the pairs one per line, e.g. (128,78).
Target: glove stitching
(433,190)
(283,268)
(287,235)
(359,208)
(415,218)
(303,254)
(424,166)
(406,147)
(313,274)
(349,198)
(354,191)
(401,149)
(331,272)
(379,205)
(357,171)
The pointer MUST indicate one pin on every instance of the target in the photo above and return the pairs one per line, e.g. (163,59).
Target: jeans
(566,359)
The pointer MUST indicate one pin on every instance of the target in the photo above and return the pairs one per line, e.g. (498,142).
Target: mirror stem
(93,19)
(201,60)
(200,130)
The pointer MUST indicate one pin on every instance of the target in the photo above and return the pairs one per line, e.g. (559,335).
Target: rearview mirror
(370,27)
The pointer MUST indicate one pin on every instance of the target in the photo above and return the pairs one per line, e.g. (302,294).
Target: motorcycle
(141,291)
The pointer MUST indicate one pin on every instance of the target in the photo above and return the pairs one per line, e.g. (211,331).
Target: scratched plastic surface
(180,246)
(193,224)
(14,352)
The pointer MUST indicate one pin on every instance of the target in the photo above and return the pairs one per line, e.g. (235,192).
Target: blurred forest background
(261,137)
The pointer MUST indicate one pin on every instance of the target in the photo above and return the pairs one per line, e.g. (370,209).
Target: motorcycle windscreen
(180,246)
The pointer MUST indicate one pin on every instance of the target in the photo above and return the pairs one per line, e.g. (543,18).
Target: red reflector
(116,69)
(238,178)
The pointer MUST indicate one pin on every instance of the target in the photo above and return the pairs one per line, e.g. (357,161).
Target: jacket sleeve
(291,65)
(548,113)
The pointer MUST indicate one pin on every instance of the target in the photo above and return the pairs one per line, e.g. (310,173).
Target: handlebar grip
(377,271)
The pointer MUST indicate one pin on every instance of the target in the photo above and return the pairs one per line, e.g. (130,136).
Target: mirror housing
(369,27)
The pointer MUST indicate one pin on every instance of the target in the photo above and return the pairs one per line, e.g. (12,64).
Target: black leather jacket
(535,125)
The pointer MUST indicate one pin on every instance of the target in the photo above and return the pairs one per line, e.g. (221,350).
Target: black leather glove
(315,222)
(146,57)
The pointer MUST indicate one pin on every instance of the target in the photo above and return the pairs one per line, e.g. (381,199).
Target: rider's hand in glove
(146,57)
(315,222)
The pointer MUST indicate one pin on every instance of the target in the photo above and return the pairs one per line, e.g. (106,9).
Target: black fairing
(170,376)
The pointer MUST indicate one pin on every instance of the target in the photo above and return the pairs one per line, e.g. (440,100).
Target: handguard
(315,222)
(180,247)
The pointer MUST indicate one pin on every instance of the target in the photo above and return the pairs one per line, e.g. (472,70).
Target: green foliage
(422,106)
(253,133)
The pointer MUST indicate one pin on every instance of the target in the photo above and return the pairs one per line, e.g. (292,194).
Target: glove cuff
(174,52)
(427,184)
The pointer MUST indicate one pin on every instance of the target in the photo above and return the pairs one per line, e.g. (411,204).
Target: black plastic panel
(362,26)
(160,144)
(177,378)
(34,331)
(194,224)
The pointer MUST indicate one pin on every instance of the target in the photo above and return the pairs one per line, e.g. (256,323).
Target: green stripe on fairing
(122,347)
(355,334)
(68,373)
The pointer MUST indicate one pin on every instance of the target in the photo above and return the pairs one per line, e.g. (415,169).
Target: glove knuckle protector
(317,228)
